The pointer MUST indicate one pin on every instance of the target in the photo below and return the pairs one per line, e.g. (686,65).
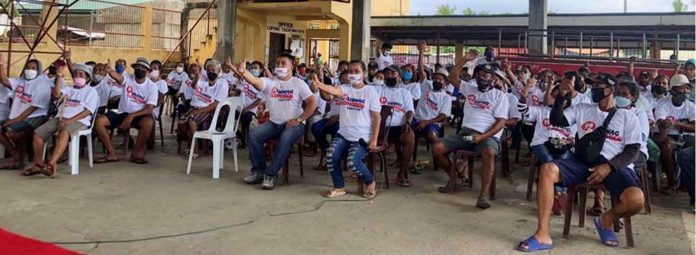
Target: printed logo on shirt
(23,97)
(478,103)
(614,135)
(563,131)
(356,104)
(430,103)
(189,83)
(588,126)
(113,83)
(383,100)
(72,102)
(535,100)
(282,94)
(397,106)
(203,96)
(135,97)
(248,92)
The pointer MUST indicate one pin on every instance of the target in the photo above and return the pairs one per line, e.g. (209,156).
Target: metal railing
(166,29)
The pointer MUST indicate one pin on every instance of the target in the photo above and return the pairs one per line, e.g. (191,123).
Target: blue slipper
(533,245)
(608,237)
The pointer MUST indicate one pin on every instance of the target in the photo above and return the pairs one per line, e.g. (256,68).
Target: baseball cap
(441,71)
(605,78)
(485,67)
(393,68)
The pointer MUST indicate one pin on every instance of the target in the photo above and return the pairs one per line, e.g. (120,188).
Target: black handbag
(589,147)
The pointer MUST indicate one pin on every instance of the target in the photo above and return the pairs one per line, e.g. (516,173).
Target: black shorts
(116,119)
(395,133)
(574,172)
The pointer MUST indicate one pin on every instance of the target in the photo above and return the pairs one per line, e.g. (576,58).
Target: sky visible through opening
(429,7)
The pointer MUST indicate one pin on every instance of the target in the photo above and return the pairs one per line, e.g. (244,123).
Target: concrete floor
(123,201)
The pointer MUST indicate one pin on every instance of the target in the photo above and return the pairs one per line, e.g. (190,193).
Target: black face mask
(212,76)
(678,99)
(658,90)
(140,73)
(52,70)
(437,85)
(598,94)
(390,82)
(580,87)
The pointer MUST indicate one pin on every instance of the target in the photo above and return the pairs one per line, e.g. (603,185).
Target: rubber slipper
(595,211)
(404,183)
(139,161)
(49,171)
(105,160)
(608,237)
(533,245)
(333,193)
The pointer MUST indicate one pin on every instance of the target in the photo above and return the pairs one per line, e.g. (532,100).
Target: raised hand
(67,55)
(422,45)
(471,55)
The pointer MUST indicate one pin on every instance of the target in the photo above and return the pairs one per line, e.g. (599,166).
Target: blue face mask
(120,68)
(622,102)
(407,75)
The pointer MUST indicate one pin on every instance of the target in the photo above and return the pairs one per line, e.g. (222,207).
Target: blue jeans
(355,155)
(260,135)
(320,130)
(685,159)
(543,156)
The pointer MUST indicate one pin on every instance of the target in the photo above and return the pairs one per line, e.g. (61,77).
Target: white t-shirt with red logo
(285,98)
(433,103)
(5,95)
(354,112)
(161,89)
(79,100)
(115,88)
(513,113)
(177,79)
(384,61)
(321,103)
(400,100)
(622,130)
(36,92)
(481,109)
(230,79)
(187,88)
(543,130)
(136,95)
(665,110)
(205,94)
(249,95)
(103,91)
(644,126)
(414,88)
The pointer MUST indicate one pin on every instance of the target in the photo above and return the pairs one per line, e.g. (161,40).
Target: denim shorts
(432,128)
(574,172)
(27,124)
(456,142)
(116,119)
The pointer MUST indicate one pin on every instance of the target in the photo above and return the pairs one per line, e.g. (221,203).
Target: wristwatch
(300,120)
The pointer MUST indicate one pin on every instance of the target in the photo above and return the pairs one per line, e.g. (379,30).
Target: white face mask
(256,72)
(281,72)
(179,69)
(378,82)
(98,78)
(355,79)
(30,74)
(387,53)
(155,74)
(526,76)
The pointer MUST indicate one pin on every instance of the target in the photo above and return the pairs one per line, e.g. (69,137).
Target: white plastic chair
(74,147)
(218,138)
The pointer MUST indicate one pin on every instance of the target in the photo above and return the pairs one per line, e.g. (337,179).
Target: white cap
(678,80)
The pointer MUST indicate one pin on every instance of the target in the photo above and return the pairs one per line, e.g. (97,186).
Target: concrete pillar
(146,27)
(537,21)
(344,42)
(458,51)
(48,14)
(227,17)
(360,46)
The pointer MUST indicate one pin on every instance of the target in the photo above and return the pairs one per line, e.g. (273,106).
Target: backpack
(589,147)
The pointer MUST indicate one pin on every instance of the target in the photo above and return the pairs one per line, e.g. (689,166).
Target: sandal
(370,194)
(49,170)
(533,245)
(321,168)
(139,161)
(403,182)
(34,170)
(446,188)
(105,160)
(595,210)
(607,236)
(334,193)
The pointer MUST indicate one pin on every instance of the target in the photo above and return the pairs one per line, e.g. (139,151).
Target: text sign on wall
(285,27)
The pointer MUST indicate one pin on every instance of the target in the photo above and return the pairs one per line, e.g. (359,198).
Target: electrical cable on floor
(316,208)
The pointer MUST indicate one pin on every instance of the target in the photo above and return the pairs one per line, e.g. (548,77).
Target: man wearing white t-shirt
(79,103)
(675,120)
(186,90)
(32,96)
(485,113)
(285,95)
(384,59)
(138,98)
(175,80)
(613,168)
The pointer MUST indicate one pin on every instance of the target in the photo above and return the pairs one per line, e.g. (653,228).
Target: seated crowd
(581,126)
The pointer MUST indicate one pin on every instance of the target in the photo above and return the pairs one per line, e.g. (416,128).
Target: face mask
(437,85)
(256,72)
(483,85)
(387,53)
(580,87)
(140,73)
(281,72)
(390,82)
(407,75)
(355,79)
(678,99)
(622,102)
(659,90)
(526,76)
(212,76)
(155,74)
(79,82)
(179,69)
(597,94)
(378,82)
(542,85)
(30,74)
(120,68)
(97,78)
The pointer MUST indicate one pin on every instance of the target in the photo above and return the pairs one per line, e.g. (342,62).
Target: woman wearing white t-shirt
(206,97)
(161,84)
(186,90)
(359,112)
(251,99)
(80,102)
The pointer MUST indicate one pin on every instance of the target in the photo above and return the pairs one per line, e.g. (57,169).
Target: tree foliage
(445,10)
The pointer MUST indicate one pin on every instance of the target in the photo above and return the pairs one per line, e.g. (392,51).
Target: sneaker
(253,179)
(268,182)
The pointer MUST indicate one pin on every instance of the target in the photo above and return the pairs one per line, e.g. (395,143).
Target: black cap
(607,79)
(485,67)
(394,68)
(644,74)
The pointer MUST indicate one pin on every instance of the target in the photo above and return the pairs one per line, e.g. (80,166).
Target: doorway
(276,46)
